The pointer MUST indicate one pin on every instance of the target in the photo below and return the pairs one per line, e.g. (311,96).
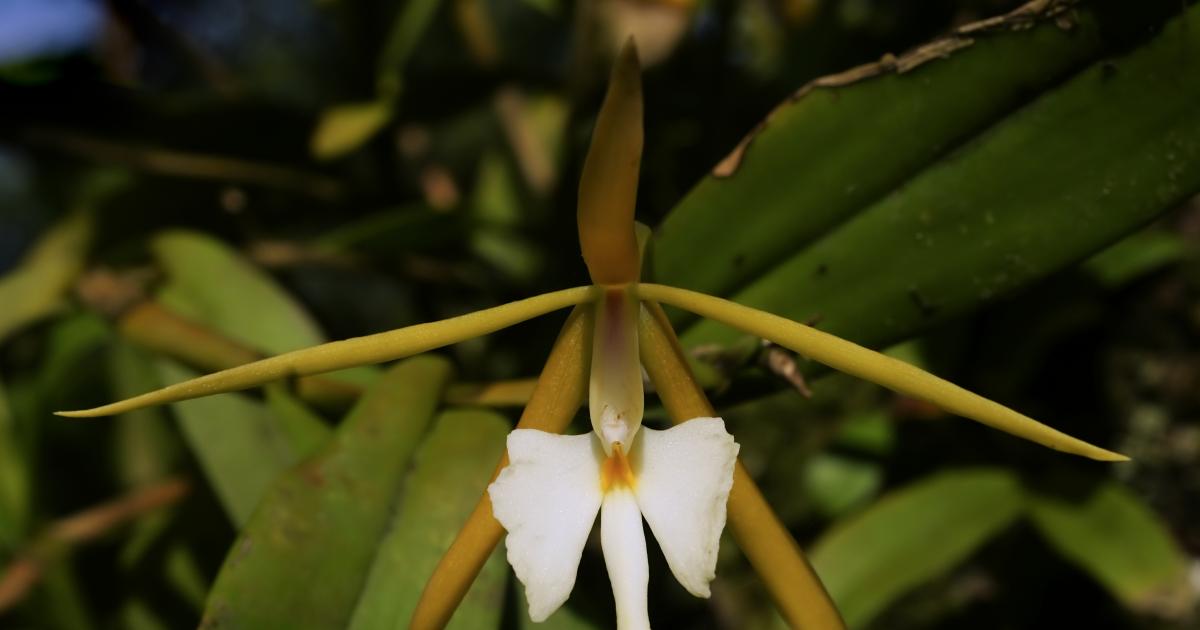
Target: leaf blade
(301,561)
(871,559)
(1121,543)
(452,469)
(816,159)
(990,218)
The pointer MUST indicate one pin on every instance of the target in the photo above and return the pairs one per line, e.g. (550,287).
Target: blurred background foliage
(186,186)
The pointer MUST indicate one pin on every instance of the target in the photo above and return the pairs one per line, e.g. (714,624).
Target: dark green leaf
(14,481)
(847,141)
(1135,256)
(146,449)
(835,484)
(1080,166)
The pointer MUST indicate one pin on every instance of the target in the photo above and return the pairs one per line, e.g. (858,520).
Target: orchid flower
(679,480)
(549,487)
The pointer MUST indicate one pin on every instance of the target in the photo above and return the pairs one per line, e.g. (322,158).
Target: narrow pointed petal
(547,498)
(683,479)
(624,544)
(608,184)
(615,397)
(856,360)
(385,346)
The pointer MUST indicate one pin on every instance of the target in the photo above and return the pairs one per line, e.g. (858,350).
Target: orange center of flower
(616,471)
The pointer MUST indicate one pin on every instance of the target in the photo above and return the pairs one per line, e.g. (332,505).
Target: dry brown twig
(24,572)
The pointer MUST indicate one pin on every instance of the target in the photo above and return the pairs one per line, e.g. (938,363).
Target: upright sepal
(608,184)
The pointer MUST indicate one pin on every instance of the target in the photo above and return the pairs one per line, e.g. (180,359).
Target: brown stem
(184,164)
(26,569)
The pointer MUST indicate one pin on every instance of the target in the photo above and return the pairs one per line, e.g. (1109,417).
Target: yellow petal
(608,185)
(856,360)
(386,346)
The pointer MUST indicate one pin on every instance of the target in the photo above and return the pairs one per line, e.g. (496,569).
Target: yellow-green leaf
(35,288)
(344,128)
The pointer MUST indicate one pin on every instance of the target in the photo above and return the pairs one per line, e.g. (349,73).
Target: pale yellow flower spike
(608,184)
(385,346)
(856,360)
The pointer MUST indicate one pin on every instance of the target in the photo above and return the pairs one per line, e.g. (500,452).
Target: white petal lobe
(547,498)
(683,479)
(624,545)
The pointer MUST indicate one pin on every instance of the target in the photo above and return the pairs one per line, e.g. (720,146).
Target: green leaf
(136,614)
(241,446)
(397,230)
(14,481)
(870,432)
(836,484)
(37,286)
(887,203)
(407,28)
(843,142)
(60,599)
(65,368)
(498,209)
(344,128)
(146,449)
(183,572)
(1135,256)
(452,470)
(71,344)
(303,559)
(1122,543)
(911,536)
(213,284)
(306,430)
